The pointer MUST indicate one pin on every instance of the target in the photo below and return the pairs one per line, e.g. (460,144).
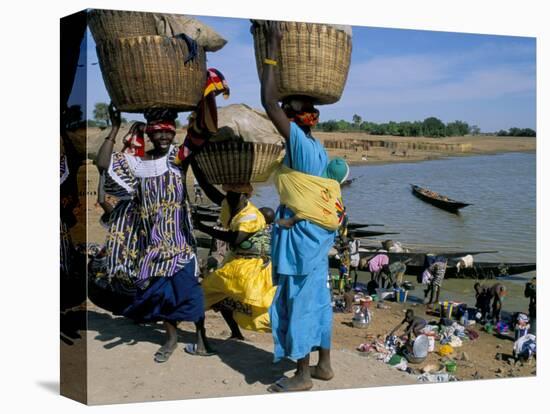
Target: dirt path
(121,368)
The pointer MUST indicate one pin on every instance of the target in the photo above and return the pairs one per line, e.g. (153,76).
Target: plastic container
(384,294)
(446,309)
(401,295)
(450,366)
(360,319)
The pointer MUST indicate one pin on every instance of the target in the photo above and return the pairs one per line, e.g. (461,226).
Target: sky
(395,75)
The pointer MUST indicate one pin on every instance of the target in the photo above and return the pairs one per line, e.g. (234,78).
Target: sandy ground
(121,369)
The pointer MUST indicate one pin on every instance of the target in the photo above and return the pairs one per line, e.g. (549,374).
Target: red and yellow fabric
(203,122)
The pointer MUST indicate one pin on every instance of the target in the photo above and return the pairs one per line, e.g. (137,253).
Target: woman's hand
(114,115)
(273,36)
(285,223)
(137,127)
(104,154)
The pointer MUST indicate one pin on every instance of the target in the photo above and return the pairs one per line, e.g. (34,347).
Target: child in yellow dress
(242,287)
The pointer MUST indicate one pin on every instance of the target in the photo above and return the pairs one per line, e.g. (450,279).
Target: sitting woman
(241,289)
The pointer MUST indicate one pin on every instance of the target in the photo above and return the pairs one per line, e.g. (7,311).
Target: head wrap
(337,169)
(160,125)
(301,111)
(242,188)
(309,119)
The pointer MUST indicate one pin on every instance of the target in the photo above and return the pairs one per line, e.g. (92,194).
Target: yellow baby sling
(311,198)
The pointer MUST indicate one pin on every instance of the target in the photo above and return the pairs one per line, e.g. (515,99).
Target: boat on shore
(438,200)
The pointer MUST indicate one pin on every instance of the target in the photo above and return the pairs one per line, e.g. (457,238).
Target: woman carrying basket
(153,243)
(301,313)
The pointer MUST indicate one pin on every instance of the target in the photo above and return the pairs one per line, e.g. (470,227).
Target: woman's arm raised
(105,151)
(269,93)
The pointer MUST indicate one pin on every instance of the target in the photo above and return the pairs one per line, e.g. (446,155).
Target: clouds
(398,75)
(395,86)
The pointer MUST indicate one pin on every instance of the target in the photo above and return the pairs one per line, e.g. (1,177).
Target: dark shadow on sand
(255,364)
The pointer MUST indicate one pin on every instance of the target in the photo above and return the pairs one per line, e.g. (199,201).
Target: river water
(502,189)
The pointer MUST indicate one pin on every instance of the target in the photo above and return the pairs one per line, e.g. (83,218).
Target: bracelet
(270,62)
(110,139)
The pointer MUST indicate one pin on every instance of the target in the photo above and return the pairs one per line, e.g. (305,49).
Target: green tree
(433,127)
(328,126)
(474,130)
(343,125)
(514,132)
(528,132)
(101,113)
(357,121)
(416,129)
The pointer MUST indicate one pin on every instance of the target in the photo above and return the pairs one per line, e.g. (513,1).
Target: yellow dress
(243,282)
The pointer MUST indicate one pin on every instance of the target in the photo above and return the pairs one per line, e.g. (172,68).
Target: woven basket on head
(314,60)
(114,24)
(238,162)
(149,72)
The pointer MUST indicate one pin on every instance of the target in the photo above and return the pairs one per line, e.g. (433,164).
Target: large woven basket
(238,162)
(314,60)
(114,24)
(149,72)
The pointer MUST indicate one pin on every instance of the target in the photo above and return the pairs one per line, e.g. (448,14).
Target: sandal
(281,386)
(191,349)
(163,354)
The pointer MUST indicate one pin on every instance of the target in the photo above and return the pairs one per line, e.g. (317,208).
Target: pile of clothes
(525,347)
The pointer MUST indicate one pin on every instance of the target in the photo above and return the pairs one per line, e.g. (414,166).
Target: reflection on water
(502,189)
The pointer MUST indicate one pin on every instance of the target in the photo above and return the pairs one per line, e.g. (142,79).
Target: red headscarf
(160,125)
(308,119)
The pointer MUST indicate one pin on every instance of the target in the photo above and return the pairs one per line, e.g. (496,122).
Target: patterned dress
(150,241)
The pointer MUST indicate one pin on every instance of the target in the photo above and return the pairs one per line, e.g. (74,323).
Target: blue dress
(301,313)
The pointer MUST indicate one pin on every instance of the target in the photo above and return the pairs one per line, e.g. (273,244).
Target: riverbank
(121,367)
(361,148)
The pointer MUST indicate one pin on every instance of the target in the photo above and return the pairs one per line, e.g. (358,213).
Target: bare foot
(321,373)
(296,383)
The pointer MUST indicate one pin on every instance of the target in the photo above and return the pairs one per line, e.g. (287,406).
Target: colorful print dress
(150,240)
